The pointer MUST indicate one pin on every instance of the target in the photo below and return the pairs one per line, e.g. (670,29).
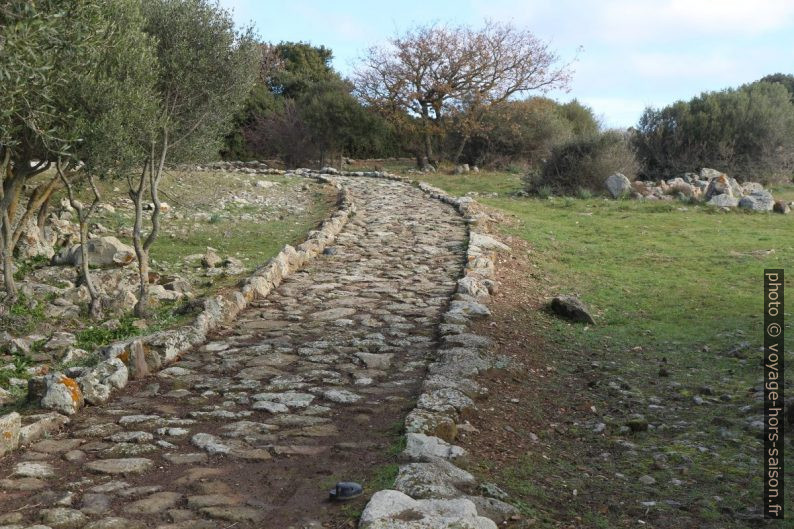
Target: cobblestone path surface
(252,429)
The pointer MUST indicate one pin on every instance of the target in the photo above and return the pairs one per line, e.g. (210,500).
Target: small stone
(647,480)
(210,443)
(341,396)
(62,394)
(115,523)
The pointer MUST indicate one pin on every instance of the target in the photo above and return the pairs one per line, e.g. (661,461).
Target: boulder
(781,207)
(10,425)
(618,185)
(102,252)
(749,188)
(678,185)
(572,308)
(62,394)
(723,201)
(391,509)
(32,242)
(723,185)
(758,201)
(94,391)
(707,173)
(60,341)
(211,259)
(436,479)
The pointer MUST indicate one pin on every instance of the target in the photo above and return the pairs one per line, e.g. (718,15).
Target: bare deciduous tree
(432,71)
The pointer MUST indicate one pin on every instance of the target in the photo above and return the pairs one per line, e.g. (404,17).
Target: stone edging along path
(430,484)
(66,393)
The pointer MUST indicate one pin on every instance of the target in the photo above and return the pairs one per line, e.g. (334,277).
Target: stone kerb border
(67,392)
(431,484)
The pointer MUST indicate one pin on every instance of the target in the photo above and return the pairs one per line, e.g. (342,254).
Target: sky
(626,54)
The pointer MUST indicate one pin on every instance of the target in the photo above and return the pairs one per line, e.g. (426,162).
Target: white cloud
(619,112)
(664,65)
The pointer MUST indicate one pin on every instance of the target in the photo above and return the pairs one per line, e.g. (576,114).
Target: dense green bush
(747,132)
(303,112)
(525,131)
(584,164)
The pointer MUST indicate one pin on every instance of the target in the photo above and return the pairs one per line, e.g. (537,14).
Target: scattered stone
(758,201)
(102,252)
(10,426)
(723,201)
(618,185)
(209,443)
(782,207)
(341,396)
(31,469)
(572,308)
(210,259)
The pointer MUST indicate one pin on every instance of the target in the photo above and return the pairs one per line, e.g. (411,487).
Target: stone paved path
(251,429)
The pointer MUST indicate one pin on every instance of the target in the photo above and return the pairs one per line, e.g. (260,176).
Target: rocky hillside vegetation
(217,226)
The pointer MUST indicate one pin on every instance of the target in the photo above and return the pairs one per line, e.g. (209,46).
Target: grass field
(676,290)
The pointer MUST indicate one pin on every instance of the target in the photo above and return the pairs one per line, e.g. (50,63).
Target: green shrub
(545,191)
(747,132)
(584,193)
(584,164)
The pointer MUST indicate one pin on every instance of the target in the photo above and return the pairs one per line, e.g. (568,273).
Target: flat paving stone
(132,465)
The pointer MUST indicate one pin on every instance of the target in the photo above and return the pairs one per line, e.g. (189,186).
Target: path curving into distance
(251,429)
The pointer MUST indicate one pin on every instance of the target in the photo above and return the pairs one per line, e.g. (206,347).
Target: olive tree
(115,111)
(32,46)
(50,52)
(205,71)
(432,71)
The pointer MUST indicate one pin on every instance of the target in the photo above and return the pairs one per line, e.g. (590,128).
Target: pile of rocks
(252,166)
(709,186)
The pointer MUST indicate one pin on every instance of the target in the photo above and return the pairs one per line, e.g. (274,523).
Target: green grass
(483,182)
(656,275)
(670,284)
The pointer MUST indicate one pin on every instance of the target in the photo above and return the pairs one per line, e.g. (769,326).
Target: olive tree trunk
(83,216)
